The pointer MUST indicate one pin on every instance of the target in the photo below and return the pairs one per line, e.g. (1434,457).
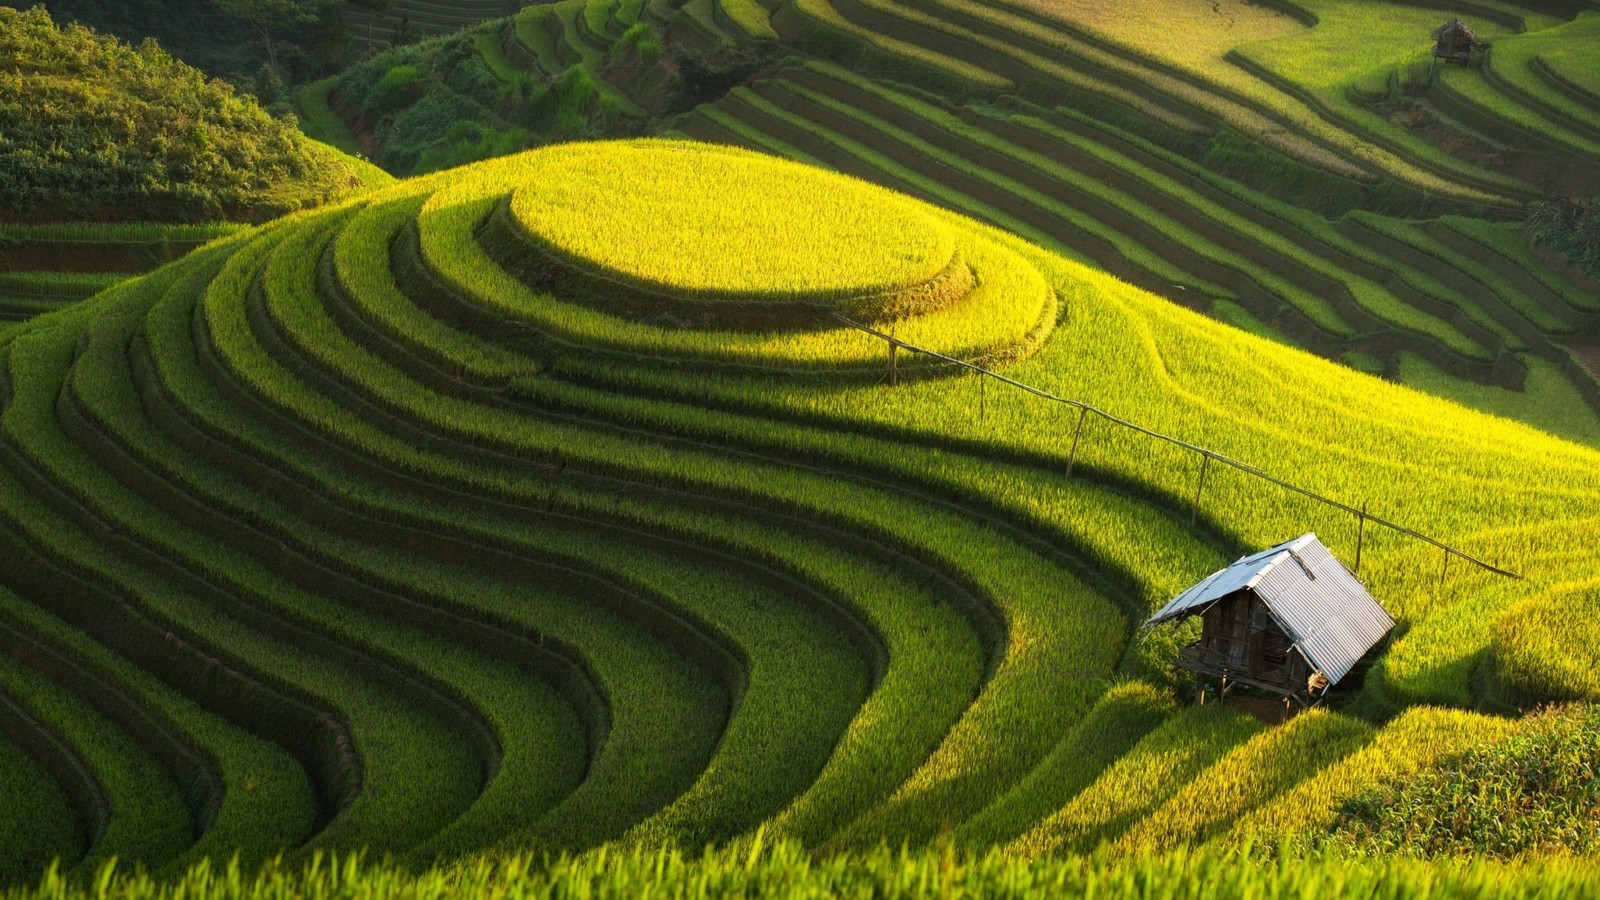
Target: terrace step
(132,806)
(751,699)
(1203,213)
(1130,206)
(489,554)
(151,540)
(522,638)
(1478,103)
(45,824)
(1531,324)
(751,20)
(1142,780)
(1524,275)
(906,807)
(203,753)
(1551,75)
(1270,763)
(1493,191)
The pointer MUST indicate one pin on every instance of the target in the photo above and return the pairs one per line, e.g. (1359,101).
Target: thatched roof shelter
(1455,40)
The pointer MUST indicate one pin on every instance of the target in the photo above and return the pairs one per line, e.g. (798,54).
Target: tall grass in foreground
(786,870)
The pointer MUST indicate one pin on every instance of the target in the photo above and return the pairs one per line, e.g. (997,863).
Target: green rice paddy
(536,527)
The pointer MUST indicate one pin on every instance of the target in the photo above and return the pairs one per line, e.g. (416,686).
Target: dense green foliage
(1532,794)
(434,105)
(92,128)
(1572,229)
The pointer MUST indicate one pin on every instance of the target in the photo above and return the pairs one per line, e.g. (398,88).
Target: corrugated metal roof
(1321,606)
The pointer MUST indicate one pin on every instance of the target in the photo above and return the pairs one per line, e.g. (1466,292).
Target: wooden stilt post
(1361,532)
(1194,513)
(1076,433)
(1199,689)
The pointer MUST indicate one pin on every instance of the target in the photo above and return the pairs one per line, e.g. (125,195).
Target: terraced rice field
(1157,219)
(558,485)
(48,267)
(425,18)
(1078,131)
(433,488)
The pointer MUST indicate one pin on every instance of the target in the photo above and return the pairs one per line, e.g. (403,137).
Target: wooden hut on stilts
(1454,42)
(1291,620)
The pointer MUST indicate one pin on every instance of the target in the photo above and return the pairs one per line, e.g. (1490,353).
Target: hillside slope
(1239,159)
(93,128)
(432,487)
(116,160)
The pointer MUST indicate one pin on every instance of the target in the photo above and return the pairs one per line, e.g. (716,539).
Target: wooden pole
(1194,512)
(1361,532)
(983,399)
(894,366)
(1446,570)
(1076,432)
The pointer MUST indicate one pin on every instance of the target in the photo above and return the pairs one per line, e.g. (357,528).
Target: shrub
(564,106)
(1571,228)
(391,92)
(428,126)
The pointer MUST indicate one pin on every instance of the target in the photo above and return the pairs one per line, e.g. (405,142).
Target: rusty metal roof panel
(1320,604)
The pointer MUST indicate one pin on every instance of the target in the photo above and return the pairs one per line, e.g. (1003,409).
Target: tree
(267,16)
(373,9)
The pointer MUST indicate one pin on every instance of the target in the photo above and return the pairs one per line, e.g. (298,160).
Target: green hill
(435,487)
(117,160)
(95,129)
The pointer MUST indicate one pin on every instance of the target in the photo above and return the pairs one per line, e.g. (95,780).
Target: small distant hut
(1454,42)
(1291,620)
